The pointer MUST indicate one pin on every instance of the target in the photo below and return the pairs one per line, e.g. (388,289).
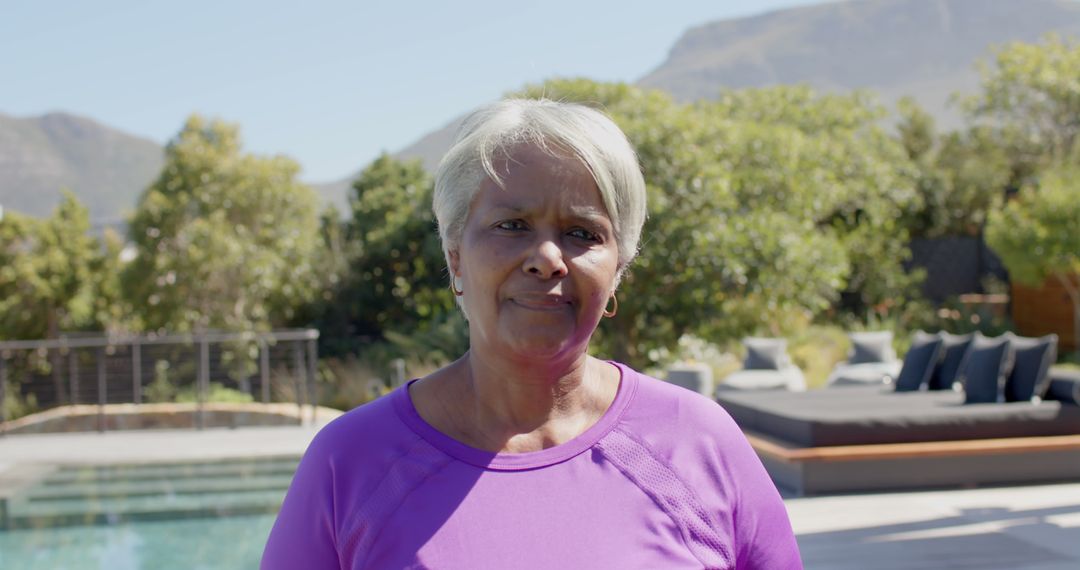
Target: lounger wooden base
(880,467)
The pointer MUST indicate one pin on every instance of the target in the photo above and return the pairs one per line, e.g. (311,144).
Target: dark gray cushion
(984,369)
(765,353)
(875,415)
(953,348)
(1030,376)
(1064,385)
(919,362)
(867,347)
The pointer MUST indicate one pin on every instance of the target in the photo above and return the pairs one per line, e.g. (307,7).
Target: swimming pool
(205,515)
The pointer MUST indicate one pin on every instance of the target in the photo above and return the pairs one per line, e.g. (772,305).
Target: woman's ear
(455,261)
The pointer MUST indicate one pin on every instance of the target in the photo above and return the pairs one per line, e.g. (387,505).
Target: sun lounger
(766,367)
(871,361)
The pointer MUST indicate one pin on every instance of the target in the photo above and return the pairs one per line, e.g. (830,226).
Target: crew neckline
(501,461)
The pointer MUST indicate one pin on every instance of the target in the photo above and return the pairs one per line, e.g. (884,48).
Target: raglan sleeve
(305,533)
(763,534)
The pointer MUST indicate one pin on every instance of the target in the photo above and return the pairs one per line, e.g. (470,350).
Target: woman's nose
(545,260)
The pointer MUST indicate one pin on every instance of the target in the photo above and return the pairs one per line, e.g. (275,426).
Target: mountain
(924,48)
(107,169)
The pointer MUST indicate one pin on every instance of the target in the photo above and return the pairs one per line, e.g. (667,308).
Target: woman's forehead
(532,159)
(529,185)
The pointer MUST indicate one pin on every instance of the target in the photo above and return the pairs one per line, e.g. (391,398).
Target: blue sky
(328,83)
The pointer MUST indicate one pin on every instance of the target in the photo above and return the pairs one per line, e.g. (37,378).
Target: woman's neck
(497,405)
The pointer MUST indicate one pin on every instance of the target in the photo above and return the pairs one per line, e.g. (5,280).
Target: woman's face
(538,258)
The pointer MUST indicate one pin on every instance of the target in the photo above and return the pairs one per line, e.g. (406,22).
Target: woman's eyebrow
(590,214)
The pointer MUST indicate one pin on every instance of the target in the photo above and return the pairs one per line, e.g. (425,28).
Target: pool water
(206,544)
(191,516)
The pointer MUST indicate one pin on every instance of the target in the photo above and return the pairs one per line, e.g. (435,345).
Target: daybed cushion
(868,347)
(1030,376)
(877,415)
(765,353)
(869,373)
(985,367)
(919,362)
(1064,386)
(790,378)
(952,353)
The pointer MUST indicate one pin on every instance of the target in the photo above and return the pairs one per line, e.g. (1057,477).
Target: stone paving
(154,445)
(1032,527)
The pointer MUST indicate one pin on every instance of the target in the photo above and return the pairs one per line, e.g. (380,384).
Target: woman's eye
(512,225)
(584,234)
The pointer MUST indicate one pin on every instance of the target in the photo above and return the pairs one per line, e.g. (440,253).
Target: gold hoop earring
(614,309)
(455,288)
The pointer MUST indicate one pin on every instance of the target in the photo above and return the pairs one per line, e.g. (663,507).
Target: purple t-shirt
(665,479)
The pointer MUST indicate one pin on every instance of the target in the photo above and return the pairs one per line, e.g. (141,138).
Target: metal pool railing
(277,366)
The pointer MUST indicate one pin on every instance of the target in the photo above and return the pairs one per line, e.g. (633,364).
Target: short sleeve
(763,534)
(304,534)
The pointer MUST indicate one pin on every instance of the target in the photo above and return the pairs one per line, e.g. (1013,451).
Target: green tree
(224,240)
(959,176)
(831,166)
(1035,234)
(1030,97)
(46,276)
(915,129)
(45,268)
(395,277)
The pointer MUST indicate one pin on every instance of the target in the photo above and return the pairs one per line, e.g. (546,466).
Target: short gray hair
(587,134)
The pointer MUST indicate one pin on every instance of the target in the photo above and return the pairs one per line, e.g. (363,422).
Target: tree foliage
(1030,99)
(1036,233)
(394,275)
(47,272)
(224,240)
(959,176)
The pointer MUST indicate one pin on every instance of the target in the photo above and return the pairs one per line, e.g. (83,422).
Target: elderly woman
(527,452)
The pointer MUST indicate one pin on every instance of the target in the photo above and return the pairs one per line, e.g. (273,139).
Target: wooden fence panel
(1043,310)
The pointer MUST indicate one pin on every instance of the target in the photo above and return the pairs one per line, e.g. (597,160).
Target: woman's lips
(541,302)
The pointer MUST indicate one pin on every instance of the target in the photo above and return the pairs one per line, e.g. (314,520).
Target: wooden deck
(898,466)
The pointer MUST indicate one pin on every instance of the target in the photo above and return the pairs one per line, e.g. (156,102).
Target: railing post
(202,382)
(102,394)
(136,371)
(3,395)
(73,376)
(300,378)
(312,362)
(55,357)
(264,370)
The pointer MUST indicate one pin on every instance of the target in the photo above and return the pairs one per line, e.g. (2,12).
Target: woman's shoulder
(672,420)
(363,434)
(656,399)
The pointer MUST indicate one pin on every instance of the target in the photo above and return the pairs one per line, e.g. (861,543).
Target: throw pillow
(867,347)
(953,348)
(765,353)
(986,365)
(1030,375)
(919,362)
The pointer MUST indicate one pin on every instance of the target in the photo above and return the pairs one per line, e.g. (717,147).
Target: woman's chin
(534,345)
